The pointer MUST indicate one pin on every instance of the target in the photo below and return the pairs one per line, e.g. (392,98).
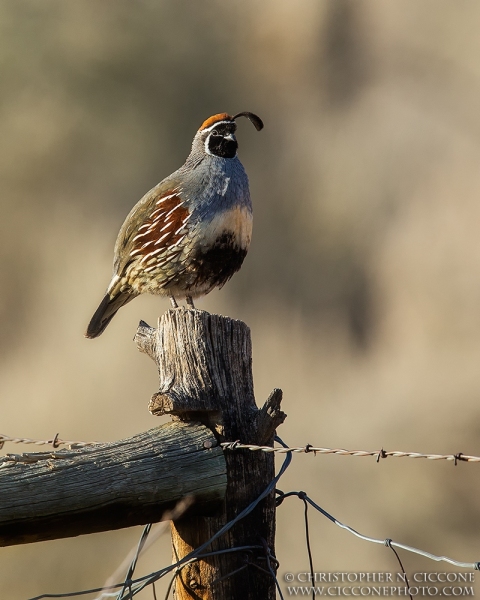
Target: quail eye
(215,133)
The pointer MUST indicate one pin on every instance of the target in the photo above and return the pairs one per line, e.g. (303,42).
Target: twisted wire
(378,454)
(55,441)
(308,448)
(385,542)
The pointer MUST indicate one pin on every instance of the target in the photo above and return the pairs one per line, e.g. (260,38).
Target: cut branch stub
(268,418)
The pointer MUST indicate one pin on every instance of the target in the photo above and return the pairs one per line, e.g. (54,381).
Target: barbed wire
(56,442)
(131,587)
(10,460)
(308,448)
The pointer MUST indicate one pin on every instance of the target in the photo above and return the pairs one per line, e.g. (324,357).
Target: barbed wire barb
(378,454)
(55,442)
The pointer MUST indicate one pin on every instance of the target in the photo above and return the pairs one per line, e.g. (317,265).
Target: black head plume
(257,121)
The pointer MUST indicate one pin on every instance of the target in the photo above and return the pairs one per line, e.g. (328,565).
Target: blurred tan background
(362,285)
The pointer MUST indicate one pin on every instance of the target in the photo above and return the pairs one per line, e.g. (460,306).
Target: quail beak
(230,137)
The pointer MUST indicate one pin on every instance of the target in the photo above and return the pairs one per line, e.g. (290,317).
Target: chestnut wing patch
(158,238)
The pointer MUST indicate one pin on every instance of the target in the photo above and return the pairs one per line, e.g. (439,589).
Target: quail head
(191,232)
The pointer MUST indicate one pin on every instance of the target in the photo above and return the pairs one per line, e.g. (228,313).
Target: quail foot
(191,232)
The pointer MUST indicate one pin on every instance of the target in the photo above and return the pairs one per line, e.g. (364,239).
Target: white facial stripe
(210,129)
(207,151)
(216,125)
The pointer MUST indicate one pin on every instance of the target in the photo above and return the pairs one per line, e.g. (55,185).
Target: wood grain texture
(205,370)
(203,360)
(111,485)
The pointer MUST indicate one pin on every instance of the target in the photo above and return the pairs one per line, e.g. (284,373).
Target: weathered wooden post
(205,369)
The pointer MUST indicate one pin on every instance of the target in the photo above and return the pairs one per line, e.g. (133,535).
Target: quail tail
(105,312)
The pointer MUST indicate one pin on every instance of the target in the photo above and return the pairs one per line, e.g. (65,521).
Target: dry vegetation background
(362,286)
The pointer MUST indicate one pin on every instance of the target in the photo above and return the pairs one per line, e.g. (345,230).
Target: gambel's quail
(191,232)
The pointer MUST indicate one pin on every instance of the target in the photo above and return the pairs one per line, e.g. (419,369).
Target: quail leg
(189,301)
(173,302)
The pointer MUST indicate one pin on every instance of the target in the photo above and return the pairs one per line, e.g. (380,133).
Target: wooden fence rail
(112,485)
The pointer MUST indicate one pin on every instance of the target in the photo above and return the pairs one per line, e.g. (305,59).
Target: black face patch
(220,262)
(219,145)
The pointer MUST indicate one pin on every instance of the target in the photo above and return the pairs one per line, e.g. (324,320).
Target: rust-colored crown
(215,119)
(256,120)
